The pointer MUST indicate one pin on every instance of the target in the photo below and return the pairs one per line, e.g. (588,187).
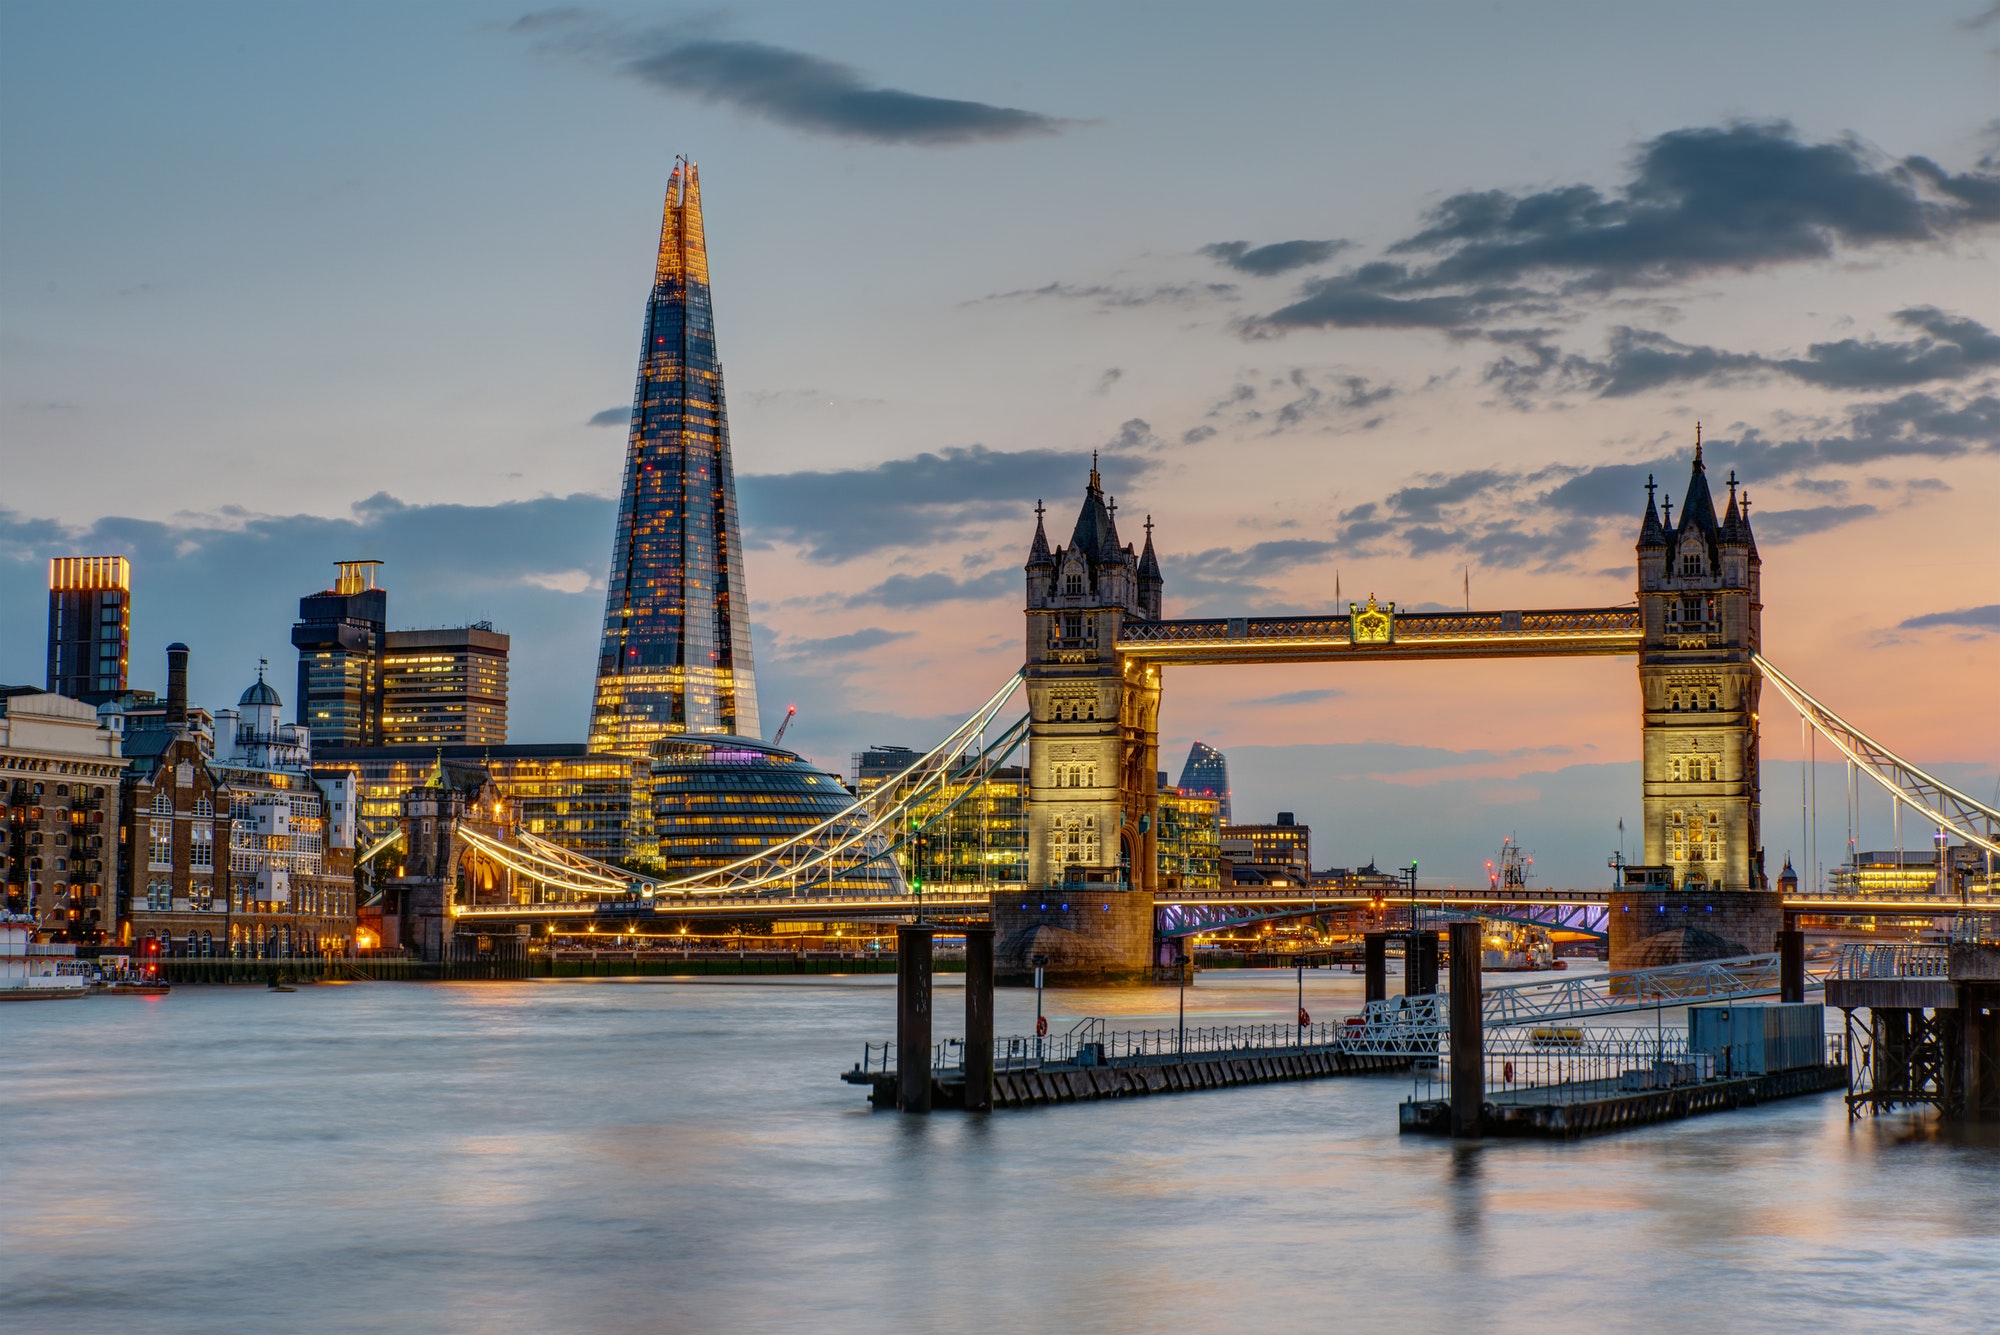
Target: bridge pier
(1468,1039)
(913,1017)
(979,1018)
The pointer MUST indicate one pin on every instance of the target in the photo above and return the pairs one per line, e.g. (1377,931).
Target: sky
(1389,299)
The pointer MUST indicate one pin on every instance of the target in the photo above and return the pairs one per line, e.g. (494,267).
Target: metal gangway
(857,843)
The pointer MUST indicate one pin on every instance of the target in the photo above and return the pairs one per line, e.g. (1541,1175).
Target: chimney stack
(177,687)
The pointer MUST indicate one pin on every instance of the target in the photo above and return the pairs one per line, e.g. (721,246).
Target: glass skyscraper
(675,657)
(1206,774)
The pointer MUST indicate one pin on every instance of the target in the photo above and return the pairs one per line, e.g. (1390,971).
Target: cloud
(1196,435)
(619,416)
(1696,201)
(840,514)
(1113,297)
(1222,577)
(1948,348)
(1276,258)
(1303,397)
(1784,525)
(228,585)
(936,587)
(1308,697)
(788,88)
(1982,619)
(842,646)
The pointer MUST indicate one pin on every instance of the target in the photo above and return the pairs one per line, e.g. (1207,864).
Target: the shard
(675,657)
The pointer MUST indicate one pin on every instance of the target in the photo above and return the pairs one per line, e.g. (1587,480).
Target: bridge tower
(1701,608)
(1093,753)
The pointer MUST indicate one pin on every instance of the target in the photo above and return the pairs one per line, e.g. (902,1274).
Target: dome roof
(260,694)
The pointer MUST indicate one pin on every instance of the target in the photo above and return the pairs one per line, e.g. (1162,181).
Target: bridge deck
(1585,631)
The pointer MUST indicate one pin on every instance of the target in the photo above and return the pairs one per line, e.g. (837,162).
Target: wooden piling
(1791,965)
(1420,964)
(1375,966)
(979,1018)
(1468,1040)
(913,1017)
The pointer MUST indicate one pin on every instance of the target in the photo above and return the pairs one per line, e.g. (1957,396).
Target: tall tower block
(1701,603)
(675,656)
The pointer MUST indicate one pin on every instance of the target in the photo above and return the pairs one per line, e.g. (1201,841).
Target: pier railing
(1899,960)
(1559,1065)
(1403,1027)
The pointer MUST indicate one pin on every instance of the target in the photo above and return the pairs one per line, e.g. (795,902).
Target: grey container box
(1757,1039)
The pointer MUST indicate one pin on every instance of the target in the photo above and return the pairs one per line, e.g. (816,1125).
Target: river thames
(680,1155)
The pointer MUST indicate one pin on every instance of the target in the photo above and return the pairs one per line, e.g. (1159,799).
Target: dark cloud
(1307,697)
(842,646)
(1304,398)
(788,88)
(836,515)
(1697,201)
(1774,526)
(937,587)
(1948,348)
(1223,578)
(1972,618)
(1196,435)
(1112,375)
(1426,502)
(229,584)
(1276,258)
(619,416)
(1107,295)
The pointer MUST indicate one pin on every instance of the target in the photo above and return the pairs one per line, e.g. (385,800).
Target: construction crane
(790,712)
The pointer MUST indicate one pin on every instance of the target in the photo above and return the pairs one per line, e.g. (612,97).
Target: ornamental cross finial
(1038,510)
(1697,442)
(1650,484)
(1149,528)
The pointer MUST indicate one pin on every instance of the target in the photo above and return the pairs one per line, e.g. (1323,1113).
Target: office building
(361,684)
(445,687)
(1190,843)
(720,799)
(1206,774)
(59,773)
(90,626)
(339,637)
(675,656)
(1257,854)
(593,804)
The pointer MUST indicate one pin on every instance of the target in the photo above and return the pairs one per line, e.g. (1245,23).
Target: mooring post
(1375,966)
(1791,962)
(1420,964)
(913,1017)
(979,1018)
(1468,1038)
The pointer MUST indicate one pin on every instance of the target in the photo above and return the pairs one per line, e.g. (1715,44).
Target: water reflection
(679,1155)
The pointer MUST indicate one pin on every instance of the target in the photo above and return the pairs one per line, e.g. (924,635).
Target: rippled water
(678,1155)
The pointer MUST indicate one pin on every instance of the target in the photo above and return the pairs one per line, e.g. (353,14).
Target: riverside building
(235,849)
(59,772)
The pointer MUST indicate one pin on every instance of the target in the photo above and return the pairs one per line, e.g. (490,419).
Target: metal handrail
(1897,960)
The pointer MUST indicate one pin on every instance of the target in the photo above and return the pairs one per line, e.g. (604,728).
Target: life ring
(1507,1073)
(1304,1019)
(1041,1026)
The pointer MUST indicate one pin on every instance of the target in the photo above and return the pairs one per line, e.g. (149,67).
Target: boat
(32,970)
(115,977)
(1513,947)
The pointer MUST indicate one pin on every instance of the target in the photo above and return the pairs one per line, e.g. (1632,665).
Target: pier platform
(1071,1082)
(1560,1112)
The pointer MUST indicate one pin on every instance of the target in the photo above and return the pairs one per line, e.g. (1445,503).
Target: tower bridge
(1097,650)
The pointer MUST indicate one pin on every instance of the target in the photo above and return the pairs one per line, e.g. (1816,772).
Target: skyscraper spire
(675,656)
